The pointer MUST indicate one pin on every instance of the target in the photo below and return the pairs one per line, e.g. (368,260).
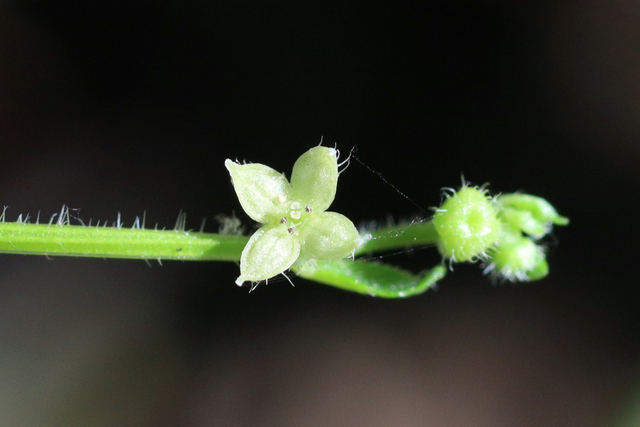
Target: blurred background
(132,106)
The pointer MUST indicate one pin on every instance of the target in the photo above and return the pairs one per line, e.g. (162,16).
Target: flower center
(295,216)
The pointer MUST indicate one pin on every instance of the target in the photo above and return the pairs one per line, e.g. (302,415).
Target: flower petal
(264,193)
(315,177)
(329,236)
(270,251)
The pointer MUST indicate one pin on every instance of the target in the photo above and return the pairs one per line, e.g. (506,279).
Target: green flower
(295,222)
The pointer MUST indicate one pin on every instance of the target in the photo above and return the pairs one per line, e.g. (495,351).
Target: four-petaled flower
(295,222)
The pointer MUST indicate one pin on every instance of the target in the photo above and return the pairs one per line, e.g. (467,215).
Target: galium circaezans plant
(299,234)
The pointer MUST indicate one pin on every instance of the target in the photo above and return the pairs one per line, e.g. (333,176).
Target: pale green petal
(329,236)
(315,177)
(265,194)
(270,251)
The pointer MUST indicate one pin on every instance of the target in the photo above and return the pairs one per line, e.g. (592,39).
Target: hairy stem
(140,243)
(115,242)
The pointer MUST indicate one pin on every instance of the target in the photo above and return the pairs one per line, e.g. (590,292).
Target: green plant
(298,234)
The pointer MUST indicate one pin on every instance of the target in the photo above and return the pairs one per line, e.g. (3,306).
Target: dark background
(131,106)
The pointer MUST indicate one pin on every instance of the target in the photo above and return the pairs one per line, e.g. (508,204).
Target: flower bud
(518,258)
(531,214)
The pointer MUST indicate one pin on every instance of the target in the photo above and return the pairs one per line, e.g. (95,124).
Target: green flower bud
(518,258)
(531,214)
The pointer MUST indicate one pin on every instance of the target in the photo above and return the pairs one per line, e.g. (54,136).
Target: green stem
(399,237)
(141,243)
(117,242)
